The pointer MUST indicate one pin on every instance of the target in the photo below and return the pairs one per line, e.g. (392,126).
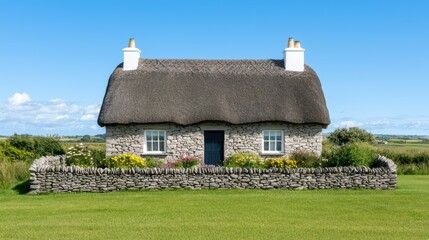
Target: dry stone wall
(55,177)
(189,140)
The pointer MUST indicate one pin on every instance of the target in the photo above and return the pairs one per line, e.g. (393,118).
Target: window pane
(279,136)
(149,146)
(266,146)
(272,137)
(155,135)
(272,146)
(266,135)
(161,146)
(278,146)
(161,135)
(149,135)
(155,147)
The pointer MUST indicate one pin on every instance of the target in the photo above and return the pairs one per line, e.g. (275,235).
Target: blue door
(213,147)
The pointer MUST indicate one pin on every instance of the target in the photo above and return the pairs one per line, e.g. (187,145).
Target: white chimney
(131,56)
(294,56)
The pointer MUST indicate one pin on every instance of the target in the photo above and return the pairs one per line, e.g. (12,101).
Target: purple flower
(170,165)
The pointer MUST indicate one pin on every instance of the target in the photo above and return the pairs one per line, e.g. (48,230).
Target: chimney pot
(294,56)
(132,43)
(131,56)
(290,43)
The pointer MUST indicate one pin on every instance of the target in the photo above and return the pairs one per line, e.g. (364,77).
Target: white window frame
(282,140)
(145,150)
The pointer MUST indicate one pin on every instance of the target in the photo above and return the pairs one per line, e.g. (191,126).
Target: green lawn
(221,214)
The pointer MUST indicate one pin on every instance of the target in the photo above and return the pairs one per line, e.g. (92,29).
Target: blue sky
(56,56)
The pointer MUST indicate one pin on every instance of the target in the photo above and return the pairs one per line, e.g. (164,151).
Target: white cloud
(379,123)
(348,124)
(88,117)
(57,116)
(92,109)
(19,98)
(57,100)
(61,117)
(407,125)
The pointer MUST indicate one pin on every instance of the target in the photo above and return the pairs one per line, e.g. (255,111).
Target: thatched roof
(192,91)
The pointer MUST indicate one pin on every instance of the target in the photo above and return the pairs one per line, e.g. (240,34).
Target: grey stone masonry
(56,177)
(49,161)
(189,140)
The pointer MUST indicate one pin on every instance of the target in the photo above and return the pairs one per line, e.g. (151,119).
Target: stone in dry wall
(189,140)
(43,163)
(384,162)
(48,161)
(62,178)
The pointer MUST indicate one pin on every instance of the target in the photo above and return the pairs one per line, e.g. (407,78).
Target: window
(155,141)
(272,141)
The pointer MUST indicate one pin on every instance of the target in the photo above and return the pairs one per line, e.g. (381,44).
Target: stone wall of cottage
(189,140)
(51,175)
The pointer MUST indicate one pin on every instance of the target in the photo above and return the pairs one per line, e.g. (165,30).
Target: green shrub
(99,158)
(328,148)
(153,162)
(103,163)
(47,146)
(354,154)
(244,160)
(79,155)
(38,146)
(343,135)
(128,161)
(306,159)
(11,153)
(281,163)
(86,138)
(22,142)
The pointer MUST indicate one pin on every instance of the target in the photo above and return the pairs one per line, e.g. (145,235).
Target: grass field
(100,146)
(404,140)
(411,146)
(221,214)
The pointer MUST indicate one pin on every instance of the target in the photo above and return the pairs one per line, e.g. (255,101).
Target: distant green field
(221,214)
(79,139)
(100,146)
(402,140)
(412,146)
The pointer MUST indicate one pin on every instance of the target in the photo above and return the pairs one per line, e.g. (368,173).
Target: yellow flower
(128,161)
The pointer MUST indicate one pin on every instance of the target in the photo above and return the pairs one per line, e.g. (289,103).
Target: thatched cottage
(213,108)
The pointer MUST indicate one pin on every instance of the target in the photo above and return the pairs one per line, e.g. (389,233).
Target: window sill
(272,153)
(154,154)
